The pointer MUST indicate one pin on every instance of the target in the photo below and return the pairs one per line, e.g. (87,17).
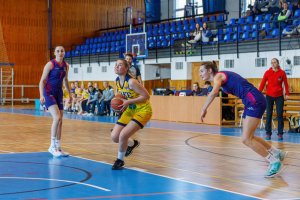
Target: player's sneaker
(268,137)
(274,169)
(63,153)
(118,164)
(55,152)
(281,155)
(130,149)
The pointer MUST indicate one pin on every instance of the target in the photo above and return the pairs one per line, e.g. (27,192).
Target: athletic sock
(53,142)
(272,159)
(130,142)
(273,150)
(121,155)
(57,144)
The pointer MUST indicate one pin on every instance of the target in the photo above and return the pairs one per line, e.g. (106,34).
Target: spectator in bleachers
(284,15)
(66,100)
(72,87)
(196,89)
(134,70)
(295,6)
(206,33)
(108,94)
(168,92)
(81,101)
(92,101)
(96,88)
(196,35)
(273,6)
(207,85)
(259,7)
(207,89)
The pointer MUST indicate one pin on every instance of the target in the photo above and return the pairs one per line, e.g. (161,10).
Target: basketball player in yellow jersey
(137,112)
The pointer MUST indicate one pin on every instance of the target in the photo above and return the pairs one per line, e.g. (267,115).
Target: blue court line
(200,128)
(39,176)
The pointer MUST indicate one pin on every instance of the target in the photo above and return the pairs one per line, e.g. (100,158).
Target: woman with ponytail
(137,112)
(255,105)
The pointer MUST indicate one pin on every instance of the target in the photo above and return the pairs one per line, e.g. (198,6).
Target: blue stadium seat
(227,37)
(255,27)
(266,26)
(167,28)
(297,14)
(268,18)
(212,18)
(220,18)
(193,26)
(173,27)
(229,29)
(232,22)
(198,20)
(258,18)
(246,28)
(68,54)
(161,29)
(205,19)
(249,20)
(246,36)
(241,21)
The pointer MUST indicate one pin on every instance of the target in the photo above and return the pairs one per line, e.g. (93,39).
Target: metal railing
(23,98)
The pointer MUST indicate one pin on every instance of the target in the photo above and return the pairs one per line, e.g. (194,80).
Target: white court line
(58,180)
(6,151)
(168,177)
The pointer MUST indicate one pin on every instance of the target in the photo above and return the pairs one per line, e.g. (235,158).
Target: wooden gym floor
(210,156)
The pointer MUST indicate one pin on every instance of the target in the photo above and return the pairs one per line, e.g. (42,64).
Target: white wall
(152,69)
(244,65)
(96,74)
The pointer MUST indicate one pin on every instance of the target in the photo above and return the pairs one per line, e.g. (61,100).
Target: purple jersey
(253,99)
(56,76)
(53,92)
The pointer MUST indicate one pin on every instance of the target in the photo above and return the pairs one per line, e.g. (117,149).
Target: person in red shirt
(275,76)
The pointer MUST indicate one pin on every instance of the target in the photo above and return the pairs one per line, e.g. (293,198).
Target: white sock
(272,158)
(52,142)
(121,155)
(273,150)
(57,144)
(130,142)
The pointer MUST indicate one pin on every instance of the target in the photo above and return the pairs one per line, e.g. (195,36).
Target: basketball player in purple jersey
(255,105)
(55,73)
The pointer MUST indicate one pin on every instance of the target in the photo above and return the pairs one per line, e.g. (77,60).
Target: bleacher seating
(164,35)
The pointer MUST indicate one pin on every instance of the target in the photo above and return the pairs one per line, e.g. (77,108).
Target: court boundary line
(168,177)
(58,180)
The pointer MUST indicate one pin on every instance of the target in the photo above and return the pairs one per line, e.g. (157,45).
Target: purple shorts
(52,98)
(255,104)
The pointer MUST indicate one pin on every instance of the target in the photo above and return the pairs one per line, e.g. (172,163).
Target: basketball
(116,102)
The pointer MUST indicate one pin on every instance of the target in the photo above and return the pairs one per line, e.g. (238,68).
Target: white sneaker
(63,153)
(54,151)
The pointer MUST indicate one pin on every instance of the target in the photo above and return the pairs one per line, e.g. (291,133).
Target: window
(104,69)
(179,65)
(229,64)
(180,5)
(261,62)
(89,70)
(296,60)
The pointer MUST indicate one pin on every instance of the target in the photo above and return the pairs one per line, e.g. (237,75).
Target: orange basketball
(115,103)
(119,96)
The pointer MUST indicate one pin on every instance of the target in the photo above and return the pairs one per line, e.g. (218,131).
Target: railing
(23,98)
